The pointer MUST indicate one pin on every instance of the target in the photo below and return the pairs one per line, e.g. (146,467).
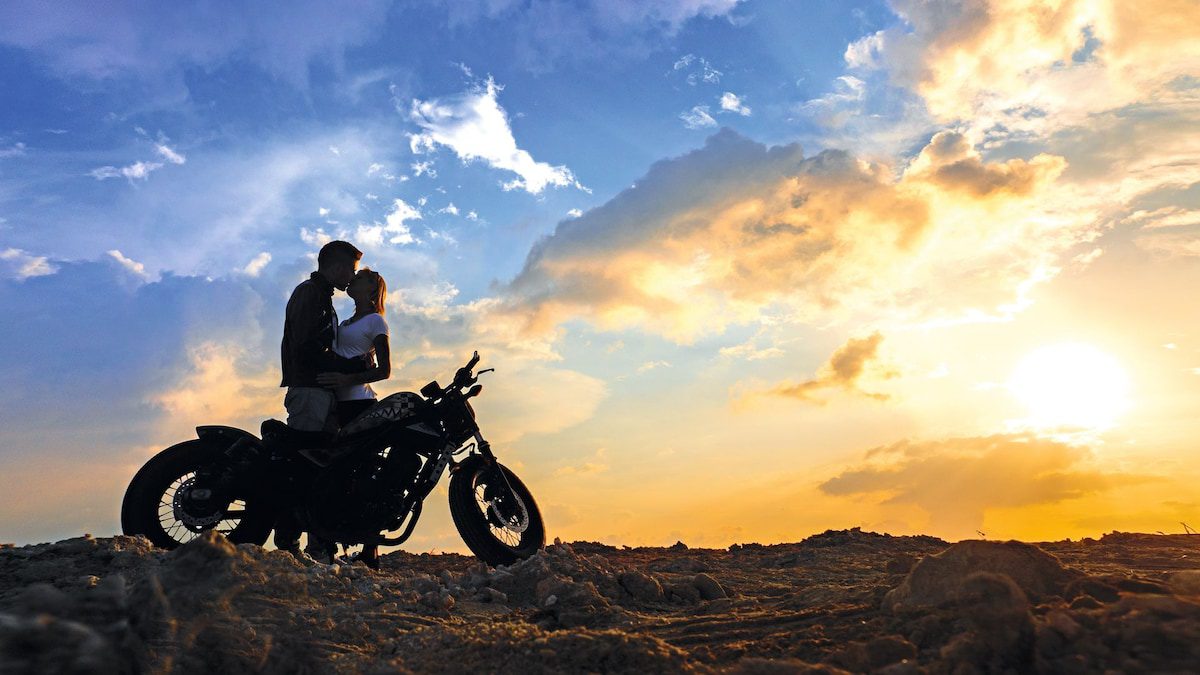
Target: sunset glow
(1071,386)
(746,269)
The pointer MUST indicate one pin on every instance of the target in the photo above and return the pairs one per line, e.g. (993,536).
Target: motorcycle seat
(281,433)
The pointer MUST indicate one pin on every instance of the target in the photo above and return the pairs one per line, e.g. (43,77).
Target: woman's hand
(334,379)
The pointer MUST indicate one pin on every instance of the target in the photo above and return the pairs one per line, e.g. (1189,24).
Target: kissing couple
(328,366)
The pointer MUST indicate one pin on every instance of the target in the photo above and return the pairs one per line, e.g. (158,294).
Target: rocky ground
(839,601)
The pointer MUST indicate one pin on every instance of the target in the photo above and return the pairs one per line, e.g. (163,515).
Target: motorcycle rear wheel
(151,509)
(497,535)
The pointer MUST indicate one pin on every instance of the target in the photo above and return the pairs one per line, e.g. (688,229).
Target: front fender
(225,436)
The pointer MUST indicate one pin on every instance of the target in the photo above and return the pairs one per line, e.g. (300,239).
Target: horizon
(748,270)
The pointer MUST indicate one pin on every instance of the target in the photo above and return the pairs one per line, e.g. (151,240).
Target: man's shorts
(310,408)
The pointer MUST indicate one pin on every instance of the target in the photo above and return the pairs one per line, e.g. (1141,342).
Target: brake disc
(192,522)
(518,518)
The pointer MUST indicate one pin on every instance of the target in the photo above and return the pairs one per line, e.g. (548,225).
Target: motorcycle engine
(363,495)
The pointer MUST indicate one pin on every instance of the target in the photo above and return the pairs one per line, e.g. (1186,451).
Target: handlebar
(464,378)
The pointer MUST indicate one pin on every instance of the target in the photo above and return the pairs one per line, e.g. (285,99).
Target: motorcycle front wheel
(495,513)
(154,501)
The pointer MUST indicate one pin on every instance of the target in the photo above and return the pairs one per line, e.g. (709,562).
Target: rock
(900,564)
(889,649)
(1002,635)
(45,644)
(494,595)
(753,665)
(1093,588)
(709,588)
(937,579)
(641,586)
(682,592)
(43,598)
(1185,582)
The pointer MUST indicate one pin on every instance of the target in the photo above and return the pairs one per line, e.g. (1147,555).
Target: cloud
(957,480)
(574,213)
(475,127)
(218,386)
(545,35)
(134,267)
(731,102)
(168,154)
(158,44)
(995,62)
(845,370)
(697,118)
(597,464)
(697,69)
(137,170)
(652,365)
(735,230)
(18,264)
(396,223)
(15,150)
(951,162)
(256,265)
(750,351)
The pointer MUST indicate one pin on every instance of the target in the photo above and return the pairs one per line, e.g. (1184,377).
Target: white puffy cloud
(396,222)
(475,127)
(257,264)
(731,102)
(697,118)
(19,264)
(134,267)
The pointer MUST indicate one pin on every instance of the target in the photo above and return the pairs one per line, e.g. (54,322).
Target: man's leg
(309,409)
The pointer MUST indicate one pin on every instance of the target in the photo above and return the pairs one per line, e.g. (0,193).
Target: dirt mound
(568,588)
(939,579)
(520,648)
(117,605)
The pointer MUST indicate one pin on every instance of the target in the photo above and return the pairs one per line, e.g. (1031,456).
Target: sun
(1071,386)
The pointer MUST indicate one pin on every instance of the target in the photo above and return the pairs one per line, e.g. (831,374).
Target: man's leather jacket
(308,330)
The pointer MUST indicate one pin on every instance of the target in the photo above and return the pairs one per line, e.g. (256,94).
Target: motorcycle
(366,484)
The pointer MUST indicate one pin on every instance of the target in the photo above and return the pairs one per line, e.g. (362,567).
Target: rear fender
(224,436)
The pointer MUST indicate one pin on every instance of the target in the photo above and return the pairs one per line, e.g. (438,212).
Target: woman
(364,333)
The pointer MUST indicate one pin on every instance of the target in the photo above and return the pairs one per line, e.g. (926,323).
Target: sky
(747,269)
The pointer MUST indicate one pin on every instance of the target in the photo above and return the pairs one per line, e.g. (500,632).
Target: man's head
(338,261)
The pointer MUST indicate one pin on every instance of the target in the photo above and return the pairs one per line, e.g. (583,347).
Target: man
(309,329)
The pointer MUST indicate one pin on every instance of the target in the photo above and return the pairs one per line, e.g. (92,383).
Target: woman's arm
(381,371)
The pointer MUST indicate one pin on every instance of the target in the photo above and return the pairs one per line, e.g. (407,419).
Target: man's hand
(334,379)
(369,359)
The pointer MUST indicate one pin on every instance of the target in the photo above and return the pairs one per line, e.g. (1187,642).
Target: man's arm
(314,335)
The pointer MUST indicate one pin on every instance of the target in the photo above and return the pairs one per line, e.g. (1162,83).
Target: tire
(477,521)
(147,507)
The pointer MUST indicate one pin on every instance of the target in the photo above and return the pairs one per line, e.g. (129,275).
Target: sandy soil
(839,601)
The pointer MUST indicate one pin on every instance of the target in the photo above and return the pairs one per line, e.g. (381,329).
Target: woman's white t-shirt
(356,339)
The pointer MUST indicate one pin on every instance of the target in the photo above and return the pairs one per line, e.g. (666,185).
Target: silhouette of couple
(328,367)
